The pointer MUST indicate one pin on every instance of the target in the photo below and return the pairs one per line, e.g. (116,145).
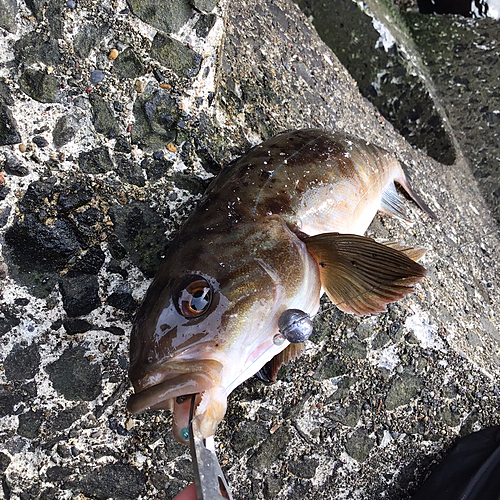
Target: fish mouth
(162,386)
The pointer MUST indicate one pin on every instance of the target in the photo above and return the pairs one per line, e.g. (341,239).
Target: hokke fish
(274,229)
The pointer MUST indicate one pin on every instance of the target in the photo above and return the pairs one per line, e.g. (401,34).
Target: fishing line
(191,409)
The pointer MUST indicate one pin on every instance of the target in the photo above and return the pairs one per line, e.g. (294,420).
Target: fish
(275,229)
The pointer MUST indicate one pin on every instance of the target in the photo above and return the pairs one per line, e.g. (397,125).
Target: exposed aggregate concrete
(111,167)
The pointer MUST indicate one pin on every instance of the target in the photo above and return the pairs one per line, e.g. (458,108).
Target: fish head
(208,319)
(174,349)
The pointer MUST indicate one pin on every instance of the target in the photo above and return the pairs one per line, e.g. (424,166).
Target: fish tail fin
(360,275)
(403,181)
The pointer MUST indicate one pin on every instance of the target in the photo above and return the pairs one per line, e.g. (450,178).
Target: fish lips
(188,378)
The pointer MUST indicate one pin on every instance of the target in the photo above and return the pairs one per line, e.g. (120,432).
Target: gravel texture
(103,158)
(461,55)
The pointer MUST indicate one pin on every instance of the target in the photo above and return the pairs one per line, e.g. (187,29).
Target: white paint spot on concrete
(386,439)
(327,59)
(386,40)
(385,358)
(424,331)
(474,209)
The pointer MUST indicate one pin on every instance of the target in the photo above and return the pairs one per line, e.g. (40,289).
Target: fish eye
(195,298)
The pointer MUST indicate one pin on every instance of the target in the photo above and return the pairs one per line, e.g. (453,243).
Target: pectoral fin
(360,275)
(269,371)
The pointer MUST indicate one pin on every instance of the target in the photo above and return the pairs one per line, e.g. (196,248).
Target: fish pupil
(195,298)
(200,300)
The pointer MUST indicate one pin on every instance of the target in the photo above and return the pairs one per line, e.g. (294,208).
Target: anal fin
(360,275)
(414,253)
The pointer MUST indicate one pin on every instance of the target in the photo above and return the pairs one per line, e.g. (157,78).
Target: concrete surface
(117,153)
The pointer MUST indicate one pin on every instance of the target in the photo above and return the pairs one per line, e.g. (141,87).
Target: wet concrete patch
(74,376)
(119,481)
(461,57)
(383,73)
